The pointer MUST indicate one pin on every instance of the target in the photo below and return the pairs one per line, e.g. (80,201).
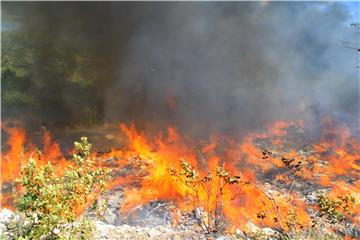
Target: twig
(274,204)
(217,221)
(291,186)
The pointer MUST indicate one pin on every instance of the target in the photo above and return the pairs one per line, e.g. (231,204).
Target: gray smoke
(231,66)
(237,66)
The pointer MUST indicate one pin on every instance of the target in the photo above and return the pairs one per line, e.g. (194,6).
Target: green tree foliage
(50,80)
(50,205)
(15,75)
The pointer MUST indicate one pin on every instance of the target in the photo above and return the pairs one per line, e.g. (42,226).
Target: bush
(206,193)
(336,209)
(50,205)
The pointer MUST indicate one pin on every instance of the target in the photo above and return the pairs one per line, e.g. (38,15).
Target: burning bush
(206,192)
(50,204)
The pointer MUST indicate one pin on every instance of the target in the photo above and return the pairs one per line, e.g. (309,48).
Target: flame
(51,149)
(326,163)
(20,151)
(10,166)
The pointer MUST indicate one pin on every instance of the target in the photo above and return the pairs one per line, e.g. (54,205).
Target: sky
(354,9)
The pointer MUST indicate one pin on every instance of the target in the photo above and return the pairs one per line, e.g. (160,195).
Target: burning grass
(265,179)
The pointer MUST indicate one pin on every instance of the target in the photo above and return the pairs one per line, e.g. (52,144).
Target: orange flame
(325,163)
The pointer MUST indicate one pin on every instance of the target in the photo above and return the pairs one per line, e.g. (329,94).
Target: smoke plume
(233,67)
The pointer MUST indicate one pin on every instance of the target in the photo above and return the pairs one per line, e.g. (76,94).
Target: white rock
(268,231)
(252,227)
(5,215)
(239,233)
(56,231)
(153,232)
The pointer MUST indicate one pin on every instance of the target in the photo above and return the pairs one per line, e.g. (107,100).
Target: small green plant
(336,209)
(50,205)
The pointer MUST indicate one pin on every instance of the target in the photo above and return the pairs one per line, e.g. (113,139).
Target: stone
(268,231)
(5,216)
(240,234)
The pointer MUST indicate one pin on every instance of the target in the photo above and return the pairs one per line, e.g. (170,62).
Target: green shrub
(50,205)
(335,209)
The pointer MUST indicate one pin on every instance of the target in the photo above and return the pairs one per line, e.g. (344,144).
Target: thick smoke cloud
(231,66)
(237,65)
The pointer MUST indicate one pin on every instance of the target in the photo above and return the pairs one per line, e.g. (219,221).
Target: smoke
(237,66)
(233,67)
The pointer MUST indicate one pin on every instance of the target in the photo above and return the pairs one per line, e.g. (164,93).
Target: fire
(10,166)
(270,153)
(20,151)
(51,149)
(159,154)
(241,203)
